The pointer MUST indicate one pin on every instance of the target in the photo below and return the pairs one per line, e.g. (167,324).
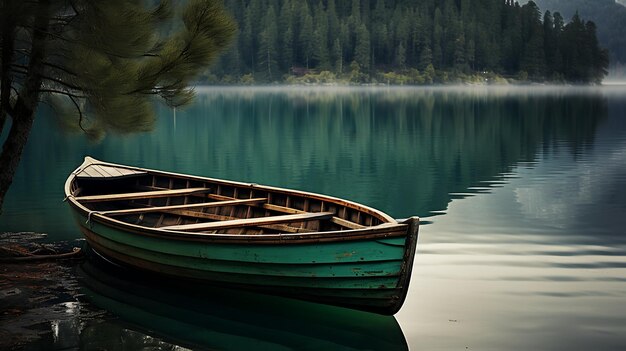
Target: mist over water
(522,192)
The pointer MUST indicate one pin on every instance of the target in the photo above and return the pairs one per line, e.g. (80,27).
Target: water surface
(522,192)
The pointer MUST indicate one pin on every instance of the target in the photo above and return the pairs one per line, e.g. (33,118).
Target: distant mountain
(609,16)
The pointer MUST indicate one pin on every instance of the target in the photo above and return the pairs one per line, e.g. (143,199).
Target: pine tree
(287,49)
(347,43)
(400,56)
(305,40)
(450,34)
(355,14)
(320,54)
(459,53)
(268,64)
(362,49)
(426,58)
(557,62)
(549,41)
(334,25)
(599,56)
(379,36)
(512,42)
(46,47)
(576,57)
(533,59)
(338,56)
(248,38)
(438,39)
(286,35)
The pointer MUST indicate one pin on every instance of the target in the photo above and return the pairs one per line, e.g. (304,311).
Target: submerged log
(21,246)
(76,252)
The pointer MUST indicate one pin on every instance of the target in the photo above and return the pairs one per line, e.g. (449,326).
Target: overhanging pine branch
(60,68)
(45,77)
(80,114)
(61,92)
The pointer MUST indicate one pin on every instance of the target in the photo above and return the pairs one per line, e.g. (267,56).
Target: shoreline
(37,295)
(491,90)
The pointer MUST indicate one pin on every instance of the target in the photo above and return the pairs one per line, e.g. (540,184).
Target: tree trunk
(12,149)
(8,41)
(24,110)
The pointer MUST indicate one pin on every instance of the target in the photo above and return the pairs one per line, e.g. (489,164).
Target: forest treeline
(407,41)
(610,15)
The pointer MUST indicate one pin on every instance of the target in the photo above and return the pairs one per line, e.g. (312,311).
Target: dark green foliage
(362,49)
(99,63)
(306,36)
(108,57)
(268,46)
(609,15)
(584,60)
(381,35)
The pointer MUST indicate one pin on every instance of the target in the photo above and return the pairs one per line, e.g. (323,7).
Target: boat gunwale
(380,231)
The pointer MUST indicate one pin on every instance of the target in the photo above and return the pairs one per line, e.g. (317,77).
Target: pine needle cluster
(103,60)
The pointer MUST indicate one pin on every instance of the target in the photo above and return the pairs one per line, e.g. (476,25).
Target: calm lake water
(522,192)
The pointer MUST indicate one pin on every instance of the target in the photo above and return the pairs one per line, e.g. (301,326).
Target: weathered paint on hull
(364,274)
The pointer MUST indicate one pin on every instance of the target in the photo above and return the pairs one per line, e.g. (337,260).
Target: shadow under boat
(204,316)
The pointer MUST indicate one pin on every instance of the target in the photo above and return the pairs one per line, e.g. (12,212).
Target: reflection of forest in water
(404,152)
(401,150)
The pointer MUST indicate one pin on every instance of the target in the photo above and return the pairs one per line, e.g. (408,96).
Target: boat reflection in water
(201,316)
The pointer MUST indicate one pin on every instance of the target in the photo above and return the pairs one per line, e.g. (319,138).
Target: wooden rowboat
(285,242)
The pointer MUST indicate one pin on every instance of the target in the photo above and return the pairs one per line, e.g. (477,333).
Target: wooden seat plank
(251,222)
(142,195)
(340,221)
(216,217)
(186,206)
(337,220)
(346,223)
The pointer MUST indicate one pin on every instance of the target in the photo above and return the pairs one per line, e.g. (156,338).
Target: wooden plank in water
(186,206)
(251,222)
(142,195)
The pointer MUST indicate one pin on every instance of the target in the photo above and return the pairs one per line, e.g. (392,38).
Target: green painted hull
(369,275)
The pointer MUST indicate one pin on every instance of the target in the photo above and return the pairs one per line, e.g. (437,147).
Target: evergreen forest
(407,42)
(609,14)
